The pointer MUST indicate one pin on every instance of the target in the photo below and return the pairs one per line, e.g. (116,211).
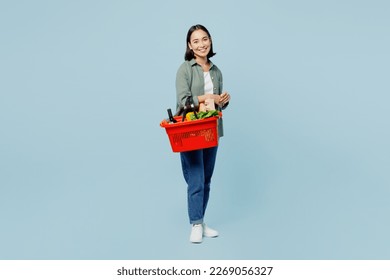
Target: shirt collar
(193,62)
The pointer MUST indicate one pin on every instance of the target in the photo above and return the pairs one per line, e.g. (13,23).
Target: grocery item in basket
(209,104)
(170,116)
(201,115)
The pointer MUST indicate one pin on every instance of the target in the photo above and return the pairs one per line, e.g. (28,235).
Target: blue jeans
(198,167)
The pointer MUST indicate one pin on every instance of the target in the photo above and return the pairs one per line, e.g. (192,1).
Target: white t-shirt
(208,83)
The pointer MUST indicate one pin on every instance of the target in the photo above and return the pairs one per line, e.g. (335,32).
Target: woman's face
(200,43)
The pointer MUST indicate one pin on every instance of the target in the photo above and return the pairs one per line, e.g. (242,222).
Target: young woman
(200,78)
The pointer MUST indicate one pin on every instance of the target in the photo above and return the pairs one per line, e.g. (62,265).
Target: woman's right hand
(220,100)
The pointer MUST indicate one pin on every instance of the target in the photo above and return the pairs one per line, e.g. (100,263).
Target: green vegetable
(204,115)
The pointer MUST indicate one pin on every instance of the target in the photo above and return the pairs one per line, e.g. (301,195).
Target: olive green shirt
(190,82)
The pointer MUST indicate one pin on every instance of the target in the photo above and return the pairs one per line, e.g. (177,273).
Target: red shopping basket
(192,135)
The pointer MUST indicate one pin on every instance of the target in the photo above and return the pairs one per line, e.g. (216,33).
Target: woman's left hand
(224,98)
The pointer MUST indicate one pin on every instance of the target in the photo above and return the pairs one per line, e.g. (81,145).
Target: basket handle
(189,106)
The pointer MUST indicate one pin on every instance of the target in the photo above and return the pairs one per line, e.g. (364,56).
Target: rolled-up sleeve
(227,103)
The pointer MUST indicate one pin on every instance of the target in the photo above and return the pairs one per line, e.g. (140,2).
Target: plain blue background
(87,173)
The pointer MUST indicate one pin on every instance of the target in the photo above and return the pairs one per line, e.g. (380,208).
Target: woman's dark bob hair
(189,53)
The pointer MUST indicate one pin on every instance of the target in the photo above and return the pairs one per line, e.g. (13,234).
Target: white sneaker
(209,232)
(196,233)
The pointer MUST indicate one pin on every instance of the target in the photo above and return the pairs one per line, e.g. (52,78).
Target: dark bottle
(170,116)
